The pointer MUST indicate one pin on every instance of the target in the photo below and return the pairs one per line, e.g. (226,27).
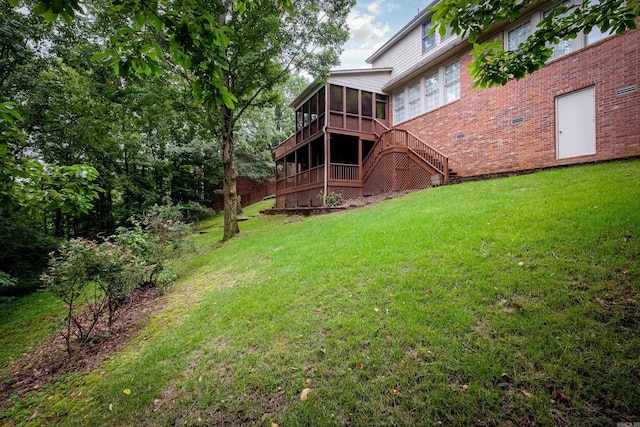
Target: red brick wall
(250,192)
(492,144)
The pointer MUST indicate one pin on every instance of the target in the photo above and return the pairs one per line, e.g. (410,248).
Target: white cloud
(374,7)
(365,30)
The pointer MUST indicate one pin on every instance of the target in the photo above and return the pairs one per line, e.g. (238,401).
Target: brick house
(413,120)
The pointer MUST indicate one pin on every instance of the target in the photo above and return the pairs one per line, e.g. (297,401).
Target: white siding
(372,82)
(405,54)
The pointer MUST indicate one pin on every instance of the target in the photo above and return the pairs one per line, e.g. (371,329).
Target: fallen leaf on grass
(558,395)
(304,394)
(526,394)
(126,391)
(516,305)
(359,366)
(609,285)
(465,387)
(395,391)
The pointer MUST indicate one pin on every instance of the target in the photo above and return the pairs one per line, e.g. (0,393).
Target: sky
(371,24)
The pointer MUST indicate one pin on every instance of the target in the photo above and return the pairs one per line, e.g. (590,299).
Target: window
(381,106)
(352,101)
(595,34)
(314,107)
(299,118)
(452,82)
(398,108)
(441,87)
(428,40)
(432,92)
(367,103)
(414,100)
(335,102)
(564,46)
(518,35)
(514,36)
(305,113)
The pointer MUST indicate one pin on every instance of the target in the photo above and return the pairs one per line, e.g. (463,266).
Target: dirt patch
(51,359)
(372,200)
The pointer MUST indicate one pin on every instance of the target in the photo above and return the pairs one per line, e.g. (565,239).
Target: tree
(233,52)
(492,65)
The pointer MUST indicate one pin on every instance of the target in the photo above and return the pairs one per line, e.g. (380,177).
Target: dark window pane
(321,100)
(336,98)
(314,107)
(381,110)
(305,109)
(352,101)
(367,104)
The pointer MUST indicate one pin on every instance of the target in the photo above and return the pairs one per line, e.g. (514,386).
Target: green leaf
(57,6)
(50,15)
(41,8)
(14,3)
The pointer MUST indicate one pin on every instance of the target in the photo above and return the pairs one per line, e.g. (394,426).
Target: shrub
(93,280)
(332,199)
(157,237)
(194,213)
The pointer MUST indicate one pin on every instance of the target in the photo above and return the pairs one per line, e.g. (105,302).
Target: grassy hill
(503,302)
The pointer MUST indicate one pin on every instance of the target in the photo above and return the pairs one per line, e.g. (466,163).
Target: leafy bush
(6,281)
(156,237)
(93,280)
(194,213)
(332,199)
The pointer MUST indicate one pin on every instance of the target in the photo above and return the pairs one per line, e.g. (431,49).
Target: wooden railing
(345,172)
(402,138)
(285,146)
(310,176)
(379,128)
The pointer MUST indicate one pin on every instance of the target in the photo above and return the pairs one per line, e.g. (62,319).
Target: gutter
(326,143)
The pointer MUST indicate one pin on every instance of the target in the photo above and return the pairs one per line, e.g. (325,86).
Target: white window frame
(399,107)
(507,34)
(435,36)
(428,94)
(451,83)
(401,102)
(414,99)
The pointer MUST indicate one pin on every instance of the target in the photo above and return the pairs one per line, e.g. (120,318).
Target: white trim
(441,91)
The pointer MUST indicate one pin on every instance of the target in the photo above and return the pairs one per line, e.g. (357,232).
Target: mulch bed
(51,359)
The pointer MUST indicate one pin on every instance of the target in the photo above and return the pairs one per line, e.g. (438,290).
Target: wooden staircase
(389,138)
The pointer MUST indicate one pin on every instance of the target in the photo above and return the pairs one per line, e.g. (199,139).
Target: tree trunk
(229,180)
(228,166)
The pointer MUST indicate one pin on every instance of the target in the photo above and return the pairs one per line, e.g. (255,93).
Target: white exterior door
(576,124)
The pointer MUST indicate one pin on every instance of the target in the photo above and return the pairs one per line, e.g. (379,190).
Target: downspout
(326,143)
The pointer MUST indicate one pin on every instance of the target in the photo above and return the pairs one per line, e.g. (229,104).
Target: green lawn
(504,302)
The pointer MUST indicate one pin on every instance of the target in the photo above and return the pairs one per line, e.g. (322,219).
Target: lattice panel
(381,179)
(400,165)
(303,198)
(418,177)
(347,193)
(280,202)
